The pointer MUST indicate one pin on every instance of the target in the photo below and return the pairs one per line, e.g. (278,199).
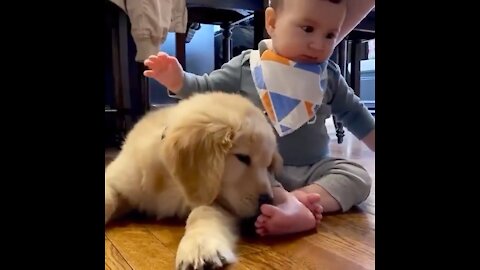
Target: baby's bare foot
(289,217)
(311,201)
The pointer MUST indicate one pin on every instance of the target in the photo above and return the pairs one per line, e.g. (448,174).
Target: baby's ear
(270,20)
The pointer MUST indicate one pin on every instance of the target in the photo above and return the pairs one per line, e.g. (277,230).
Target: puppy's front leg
(115,203)
(209,240)
(111,201)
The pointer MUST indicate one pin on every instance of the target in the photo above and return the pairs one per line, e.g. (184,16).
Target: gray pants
(348,182)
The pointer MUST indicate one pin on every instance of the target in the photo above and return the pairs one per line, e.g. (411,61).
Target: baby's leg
(332,184)
(288,214)
(340,183)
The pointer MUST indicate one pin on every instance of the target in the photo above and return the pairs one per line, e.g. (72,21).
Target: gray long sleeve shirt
(308,144)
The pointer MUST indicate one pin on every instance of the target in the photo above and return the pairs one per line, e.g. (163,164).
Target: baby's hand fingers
(149,73)
(158,62)
(148,63)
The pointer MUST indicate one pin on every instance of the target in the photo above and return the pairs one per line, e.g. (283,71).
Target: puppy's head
(221,149)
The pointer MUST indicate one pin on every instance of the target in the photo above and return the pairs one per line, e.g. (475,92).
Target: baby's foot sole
(276,221)
(310,200)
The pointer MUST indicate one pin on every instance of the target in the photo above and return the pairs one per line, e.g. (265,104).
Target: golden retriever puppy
(207,159)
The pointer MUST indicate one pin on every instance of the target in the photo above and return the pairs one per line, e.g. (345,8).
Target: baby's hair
(278,3)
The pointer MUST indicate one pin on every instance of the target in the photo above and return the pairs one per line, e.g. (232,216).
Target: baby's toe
(313,198)
(269,210)
(318,218)
(260,221)
(317,209)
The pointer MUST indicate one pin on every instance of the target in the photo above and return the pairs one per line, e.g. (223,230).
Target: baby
(292,79)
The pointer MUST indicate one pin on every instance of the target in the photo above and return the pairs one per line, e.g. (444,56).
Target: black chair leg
(340,132)
(342,50)
(227,42)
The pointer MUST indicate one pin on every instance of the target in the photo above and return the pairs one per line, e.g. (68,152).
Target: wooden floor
(342,241)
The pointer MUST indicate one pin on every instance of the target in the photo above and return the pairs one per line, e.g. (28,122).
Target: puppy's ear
(196,154)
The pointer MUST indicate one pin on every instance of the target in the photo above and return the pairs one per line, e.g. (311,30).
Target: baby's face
(305,30)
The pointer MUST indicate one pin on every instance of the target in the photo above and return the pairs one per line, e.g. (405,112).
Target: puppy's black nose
(247,226)
(264,199)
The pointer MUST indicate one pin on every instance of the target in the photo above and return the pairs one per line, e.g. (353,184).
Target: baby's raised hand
(166,70)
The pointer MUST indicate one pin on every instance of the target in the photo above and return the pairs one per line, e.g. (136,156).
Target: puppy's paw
(203,251)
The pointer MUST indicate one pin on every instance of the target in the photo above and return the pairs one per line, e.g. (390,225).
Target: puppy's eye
(243,158)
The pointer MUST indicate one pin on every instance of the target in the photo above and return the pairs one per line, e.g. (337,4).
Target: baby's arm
(369,140)
(350,110)
(357,10)
(167,71)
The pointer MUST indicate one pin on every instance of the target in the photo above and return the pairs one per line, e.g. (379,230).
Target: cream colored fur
(181,161)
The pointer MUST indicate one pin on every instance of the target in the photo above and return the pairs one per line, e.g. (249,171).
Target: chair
(210,15)
(350,50)
(126,89)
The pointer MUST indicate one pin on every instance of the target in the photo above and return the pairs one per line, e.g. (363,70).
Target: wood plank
(357,231)
(313,255)
(168,232)
(113,259)
(140,248)
(251,246)
(359,219)
(267,260)
(344,246)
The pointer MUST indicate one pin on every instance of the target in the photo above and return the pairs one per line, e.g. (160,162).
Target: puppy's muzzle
(247,225)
